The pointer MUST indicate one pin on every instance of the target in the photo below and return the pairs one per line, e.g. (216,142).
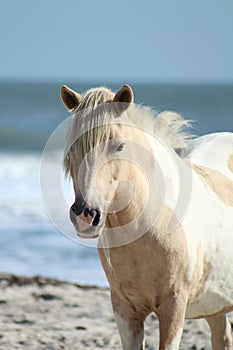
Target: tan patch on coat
(221,185)
(230,163)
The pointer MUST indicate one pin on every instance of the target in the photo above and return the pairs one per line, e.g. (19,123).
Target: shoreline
(39,313)
(11,279)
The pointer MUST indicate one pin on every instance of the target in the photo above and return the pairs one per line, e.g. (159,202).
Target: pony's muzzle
(84,218)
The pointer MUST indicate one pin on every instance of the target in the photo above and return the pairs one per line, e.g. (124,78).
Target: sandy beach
(46,314)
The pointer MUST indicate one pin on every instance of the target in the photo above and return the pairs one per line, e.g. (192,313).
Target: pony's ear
(124,96)
(70,98)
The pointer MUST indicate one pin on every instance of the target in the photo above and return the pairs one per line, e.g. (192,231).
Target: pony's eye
(120,147)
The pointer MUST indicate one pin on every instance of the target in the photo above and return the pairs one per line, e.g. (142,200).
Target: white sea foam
(29,242)
(20,202)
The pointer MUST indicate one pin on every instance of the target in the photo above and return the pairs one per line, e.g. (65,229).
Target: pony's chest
(142,285)
(147,270)
(139,291)
(131,281)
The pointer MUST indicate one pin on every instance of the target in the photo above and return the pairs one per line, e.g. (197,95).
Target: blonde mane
(91,124)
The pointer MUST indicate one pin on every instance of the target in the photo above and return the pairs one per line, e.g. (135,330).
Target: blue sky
(161,41)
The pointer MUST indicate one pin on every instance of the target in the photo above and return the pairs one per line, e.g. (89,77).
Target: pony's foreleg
(131,338)
(130,324)
(171,314)
(220,333)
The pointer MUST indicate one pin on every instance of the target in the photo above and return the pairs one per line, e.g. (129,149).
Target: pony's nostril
(86,212)
(97,218)
(78,207)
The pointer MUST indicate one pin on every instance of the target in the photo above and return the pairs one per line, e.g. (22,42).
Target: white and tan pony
(161,204)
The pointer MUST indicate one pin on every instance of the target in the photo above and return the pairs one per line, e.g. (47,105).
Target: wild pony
(161,203)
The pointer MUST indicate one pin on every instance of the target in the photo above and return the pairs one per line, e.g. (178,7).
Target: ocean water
(29,112)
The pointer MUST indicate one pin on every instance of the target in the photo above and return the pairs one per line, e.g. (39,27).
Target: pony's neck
(169,168)
(161,187)
(173,186)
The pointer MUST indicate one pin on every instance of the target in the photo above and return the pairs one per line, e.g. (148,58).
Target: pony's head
(112,160)
(94,155)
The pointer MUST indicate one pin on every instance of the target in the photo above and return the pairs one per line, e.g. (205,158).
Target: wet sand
(46,314)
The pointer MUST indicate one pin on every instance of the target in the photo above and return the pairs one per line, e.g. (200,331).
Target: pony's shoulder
(213,151)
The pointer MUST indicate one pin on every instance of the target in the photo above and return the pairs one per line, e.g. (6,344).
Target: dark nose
(77,209)
(78,206)
(84,215)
